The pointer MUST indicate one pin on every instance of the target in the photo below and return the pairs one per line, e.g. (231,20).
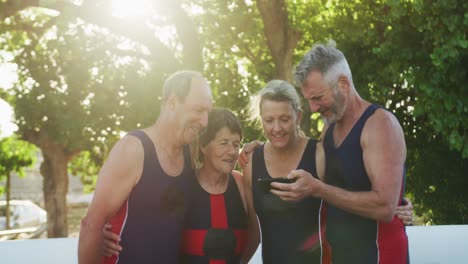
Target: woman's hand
(111,241)
(405,212)
(247,148)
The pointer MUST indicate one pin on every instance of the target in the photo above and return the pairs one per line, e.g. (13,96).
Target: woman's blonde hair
(277,91)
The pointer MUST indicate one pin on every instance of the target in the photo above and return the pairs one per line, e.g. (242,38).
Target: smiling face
(279,121)
(192,112)
(322,98)
(222,151)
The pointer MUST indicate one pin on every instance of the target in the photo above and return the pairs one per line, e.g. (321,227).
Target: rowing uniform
(216,227)
(150,221)
(289,230)
(350,238)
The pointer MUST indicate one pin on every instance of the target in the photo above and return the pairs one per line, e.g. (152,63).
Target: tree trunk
(55,179)
(282,40)
(8,197)
(55,187)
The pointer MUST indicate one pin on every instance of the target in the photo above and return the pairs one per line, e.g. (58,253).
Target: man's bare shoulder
(129,146)
(125,159)
(118,175)
(382,119)
(382,127)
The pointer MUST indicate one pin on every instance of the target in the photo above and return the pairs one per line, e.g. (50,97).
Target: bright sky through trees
(134,8)
(7,77)
(120,8)
(6,127)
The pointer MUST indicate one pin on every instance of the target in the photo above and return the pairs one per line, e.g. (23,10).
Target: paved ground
(428,245)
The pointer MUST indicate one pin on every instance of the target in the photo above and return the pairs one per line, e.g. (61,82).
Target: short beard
(337,108)
(329,121)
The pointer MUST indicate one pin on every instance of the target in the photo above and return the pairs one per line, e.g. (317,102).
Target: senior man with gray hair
(142,187)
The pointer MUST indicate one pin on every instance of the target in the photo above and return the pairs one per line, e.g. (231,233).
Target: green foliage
(76,83)
(79,84)
(86,166)
(410,57)
(438,183)
(237,62)
(70,86)
(15,155)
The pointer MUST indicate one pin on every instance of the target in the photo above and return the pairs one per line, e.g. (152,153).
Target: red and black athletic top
(216,227)
(289,230)
(150,222)
(349,238)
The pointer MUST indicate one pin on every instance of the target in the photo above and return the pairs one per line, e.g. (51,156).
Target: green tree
(15,155)
(79,87)
(84,77)
(405,55)
(409,56)
(246,44)
(72,93)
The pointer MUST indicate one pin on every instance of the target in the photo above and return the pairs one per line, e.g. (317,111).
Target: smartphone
(265,183)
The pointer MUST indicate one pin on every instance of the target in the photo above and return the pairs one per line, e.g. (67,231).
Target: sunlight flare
(131,9)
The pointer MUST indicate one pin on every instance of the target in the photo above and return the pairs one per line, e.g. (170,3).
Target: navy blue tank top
(289,230)
(350,238)
(216,227)
(151,221)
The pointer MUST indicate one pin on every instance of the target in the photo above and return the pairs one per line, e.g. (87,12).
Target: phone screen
(265,183)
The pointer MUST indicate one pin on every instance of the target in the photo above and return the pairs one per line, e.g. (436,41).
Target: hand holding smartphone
(265,183)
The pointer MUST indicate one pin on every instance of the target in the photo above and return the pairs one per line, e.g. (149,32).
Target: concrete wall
(428,245)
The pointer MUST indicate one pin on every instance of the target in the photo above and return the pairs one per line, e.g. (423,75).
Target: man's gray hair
(327,60)
(179,84)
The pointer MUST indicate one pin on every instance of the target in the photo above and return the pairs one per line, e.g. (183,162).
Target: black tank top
(216,226)
(352,238)
(151,221)
(289,230)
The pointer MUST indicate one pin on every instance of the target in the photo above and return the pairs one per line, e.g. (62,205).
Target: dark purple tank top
(151,221)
